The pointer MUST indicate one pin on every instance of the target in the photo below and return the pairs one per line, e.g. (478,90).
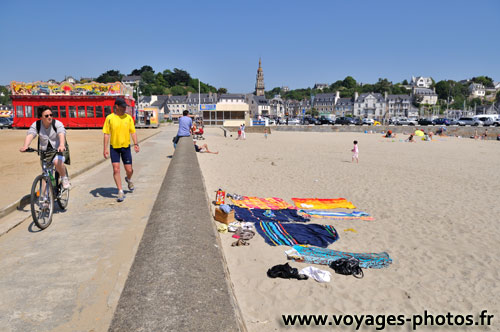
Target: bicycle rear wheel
(62,194)
(42,202)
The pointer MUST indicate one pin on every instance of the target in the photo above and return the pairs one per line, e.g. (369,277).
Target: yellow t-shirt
(119,127)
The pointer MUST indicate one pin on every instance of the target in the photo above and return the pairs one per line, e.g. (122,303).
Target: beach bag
(48,156)
(347,266)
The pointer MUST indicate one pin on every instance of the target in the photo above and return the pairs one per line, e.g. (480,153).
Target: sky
(220,42)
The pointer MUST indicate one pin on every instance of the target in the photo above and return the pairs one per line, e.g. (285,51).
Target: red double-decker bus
(75,105)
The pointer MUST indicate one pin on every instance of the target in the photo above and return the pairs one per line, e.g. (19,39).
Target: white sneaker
(130,184)
(65,183)
(121,196)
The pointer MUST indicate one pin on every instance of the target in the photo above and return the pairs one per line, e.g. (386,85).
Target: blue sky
(220,42)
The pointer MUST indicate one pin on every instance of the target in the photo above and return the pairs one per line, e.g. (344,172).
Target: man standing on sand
(185,127)
(119,126)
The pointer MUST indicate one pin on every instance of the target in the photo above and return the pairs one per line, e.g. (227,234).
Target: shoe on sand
(121,196)
(130,184)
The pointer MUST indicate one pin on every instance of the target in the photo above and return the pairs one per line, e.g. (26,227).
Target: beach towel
(289,234)
(326,256)
(272,203)
(257,215)
(323,203)
(354,215)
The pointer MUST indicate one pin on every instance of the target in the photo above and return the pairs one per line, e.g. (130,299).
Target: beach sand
(20,169)
(436,213)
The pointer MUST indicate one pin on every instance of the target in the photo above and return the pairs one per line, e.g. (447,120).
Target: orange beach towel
(323,203)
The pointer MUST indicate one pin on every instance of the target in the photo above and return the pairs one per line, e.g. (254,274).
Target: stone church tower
(259,85)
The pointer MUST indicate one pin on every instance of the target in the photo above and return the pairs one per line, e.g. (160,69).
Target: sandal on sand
(239,243)
(245,234)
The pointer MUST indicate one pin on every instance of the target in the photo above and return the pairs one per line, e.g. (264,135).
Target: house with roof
(421,82)
(132,80)
(476,90)
(344,107)
(231,109)
(175,106)
(259,106)
(277,107)
(325,102)
(424,96)
(196,103)
(369,105)
(398,105)
(320,86)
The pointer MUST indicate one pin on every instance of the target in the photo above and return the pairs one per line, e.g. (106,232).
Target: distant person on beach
(441,131)
(355,152)
(117,129)
(243,136)
(239,132)
(410,139)
(52,139)
(185,127)
(389,134)
(203,148)
(265,133)
(485,135)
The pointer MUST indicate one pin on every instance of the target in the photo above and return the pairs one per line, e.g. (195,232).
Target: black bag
(347,266)
(49,155)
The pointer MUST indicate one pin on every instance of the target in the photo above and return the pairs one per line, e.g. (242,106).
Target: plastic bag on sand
(316,274)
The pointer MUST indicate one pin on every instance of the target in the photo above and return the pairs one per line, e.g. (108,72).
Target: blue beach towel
(258,215)
(326,256)
(289,234)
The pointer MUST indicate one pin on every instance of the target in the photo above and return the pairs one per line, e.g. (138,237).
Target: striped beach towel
(326,256)
(277,234)
(271,203)
(323,203)
(354,215)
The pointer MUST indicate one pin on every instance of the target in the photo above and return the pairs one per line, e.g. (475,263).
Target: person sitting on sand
(390,134)
(410,139)
(203,148)
(485,135)
(441,131)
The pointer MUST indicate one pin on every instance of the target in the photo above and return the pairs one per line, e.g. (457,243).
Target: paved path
(69,277)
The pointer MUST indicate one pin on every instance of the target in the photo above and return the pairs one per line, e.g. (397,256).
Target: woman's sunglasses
(47,116)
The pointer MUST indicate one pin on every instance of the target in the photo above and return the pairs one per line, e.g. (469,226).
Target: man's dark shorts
(125,154)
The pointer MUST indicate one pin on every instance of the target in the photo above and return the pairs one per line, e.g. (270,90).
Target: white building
(421,82)
(424,96)
(259,106)
(369,105)
(477,90)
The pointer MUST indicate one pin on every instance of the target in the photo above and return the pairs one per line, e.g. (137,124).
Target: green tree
(138,72)
(484,80)
(349,82)
(148,77)
(177,90)
(221,91)
(110,76)
(405,82)
(4,96)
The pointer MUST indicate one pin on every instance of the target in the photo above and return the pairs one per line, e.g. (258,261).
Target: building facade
(421,82)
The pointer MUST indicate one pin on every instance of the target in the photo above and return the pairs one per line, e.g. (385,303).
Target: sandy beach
(19,169)
(436,212)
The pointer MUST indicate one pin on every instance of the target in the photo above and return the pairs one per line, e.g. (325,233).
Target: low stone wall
(465,131)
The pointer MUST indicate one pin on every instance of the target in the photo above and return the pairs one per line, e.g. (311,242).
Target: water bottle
(53,180)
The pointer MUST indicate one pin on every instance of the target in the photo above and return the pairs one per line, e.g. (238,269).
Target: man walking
(117,129)
(185,127)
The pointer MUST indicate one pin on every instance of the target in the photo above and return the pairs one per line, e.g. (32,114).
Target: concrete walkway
(69,277)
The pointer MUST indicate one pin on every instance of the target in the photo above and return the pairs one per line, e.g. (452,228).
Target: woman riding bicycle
(52,138)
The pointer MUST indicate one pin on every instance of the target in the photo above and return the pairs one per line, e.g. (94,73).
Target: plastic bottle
(52,179)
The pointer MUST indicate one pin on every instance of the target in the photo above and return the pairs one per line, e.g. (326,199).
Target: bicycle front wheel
(62,194)
(42,202)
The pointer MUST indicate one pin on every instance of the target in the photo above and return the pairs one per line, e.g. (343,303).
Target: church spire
(259,85)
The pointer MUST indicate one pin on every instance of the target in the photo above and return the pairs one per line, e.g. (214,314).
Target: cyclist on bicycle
(52,137)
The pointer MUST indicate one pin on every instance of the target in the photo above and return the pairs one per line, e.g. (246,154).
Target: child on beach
(355,152)
(265,133)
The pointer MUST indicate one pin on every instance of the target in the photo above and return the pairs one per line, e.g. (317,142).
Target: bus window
(55,112)
(63,111)
(29,112)
(90,111)
(107,110)
(19,111)
(98,111)
(72,112)
(81,111)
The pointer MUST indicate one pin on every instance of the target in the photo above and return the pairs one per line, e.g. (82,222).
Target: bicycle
(45,187)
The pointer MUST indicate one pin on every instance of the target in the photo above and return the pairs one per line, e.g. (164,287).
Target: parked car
(454,122)
(497,122)
(469,122)
(343,120)
(486,120)
(292,122)
(325,120)
(367,121)
(424,122)
(310,120)
(441,122)
(406,121)
(5,123)
(358,121)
